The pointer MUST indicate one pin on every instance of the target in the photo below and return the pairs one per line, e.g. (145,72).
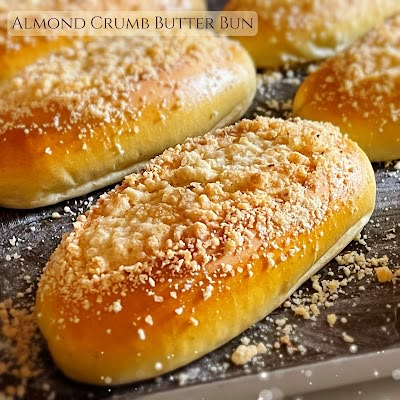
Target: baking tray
(366,310)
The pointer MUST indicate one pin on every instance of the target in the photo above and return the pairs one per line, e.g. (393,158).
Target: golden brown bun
(17,52)
(304,30)
(88,115)
(210,238)
(359,91)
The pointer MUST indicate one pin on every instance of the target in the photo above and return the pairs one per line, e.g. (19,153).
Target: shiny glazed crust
(210,238)
(292,31)
(359,91)
(89,114)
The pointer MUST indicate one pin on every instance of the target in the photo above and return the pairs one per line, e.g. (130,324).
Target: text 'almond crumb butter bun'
(291,31)
(86,116)
(359,91)
(17,52)
(211,237)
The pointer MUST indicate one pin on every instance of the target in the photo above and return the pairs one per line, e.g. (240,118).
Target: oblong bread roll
(303,30)
(17,52)
(359,91)
(210,238)
(88,115)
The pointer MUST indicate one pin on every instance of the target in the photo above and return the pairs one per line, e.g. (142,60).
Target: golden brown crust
(359,91)
(211,237)
(83,117)
(17,52)
(304,30)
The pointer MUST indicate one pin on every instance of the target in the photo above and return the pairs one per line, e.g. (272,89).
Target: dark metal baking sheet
(27,239)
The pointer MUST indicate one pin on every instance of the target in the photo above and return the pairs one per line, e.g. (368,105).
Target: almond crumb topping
(363,81)
(198,205)
(79,88)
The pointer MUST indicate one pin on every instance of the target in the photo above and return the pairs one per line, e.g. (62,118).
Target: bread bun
(88,115)
(17,52)
(359,91)
(210,238)
(304,30)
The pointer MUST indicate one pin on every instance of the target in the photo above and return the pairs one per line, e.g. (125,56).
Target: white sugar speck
(207,292)
(142,335)
(117,307)
(179,310)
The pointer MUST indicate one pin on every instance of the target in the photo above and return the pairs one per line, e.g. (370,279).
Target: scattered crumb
(268,77)
(281,322)
(285,340)
(243,354)
(383,274)
(331,319)
(273,104)
(347,338)
(390,236)
(20,351)
(261,348)
(245,340)
(362,241)
(302,312)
